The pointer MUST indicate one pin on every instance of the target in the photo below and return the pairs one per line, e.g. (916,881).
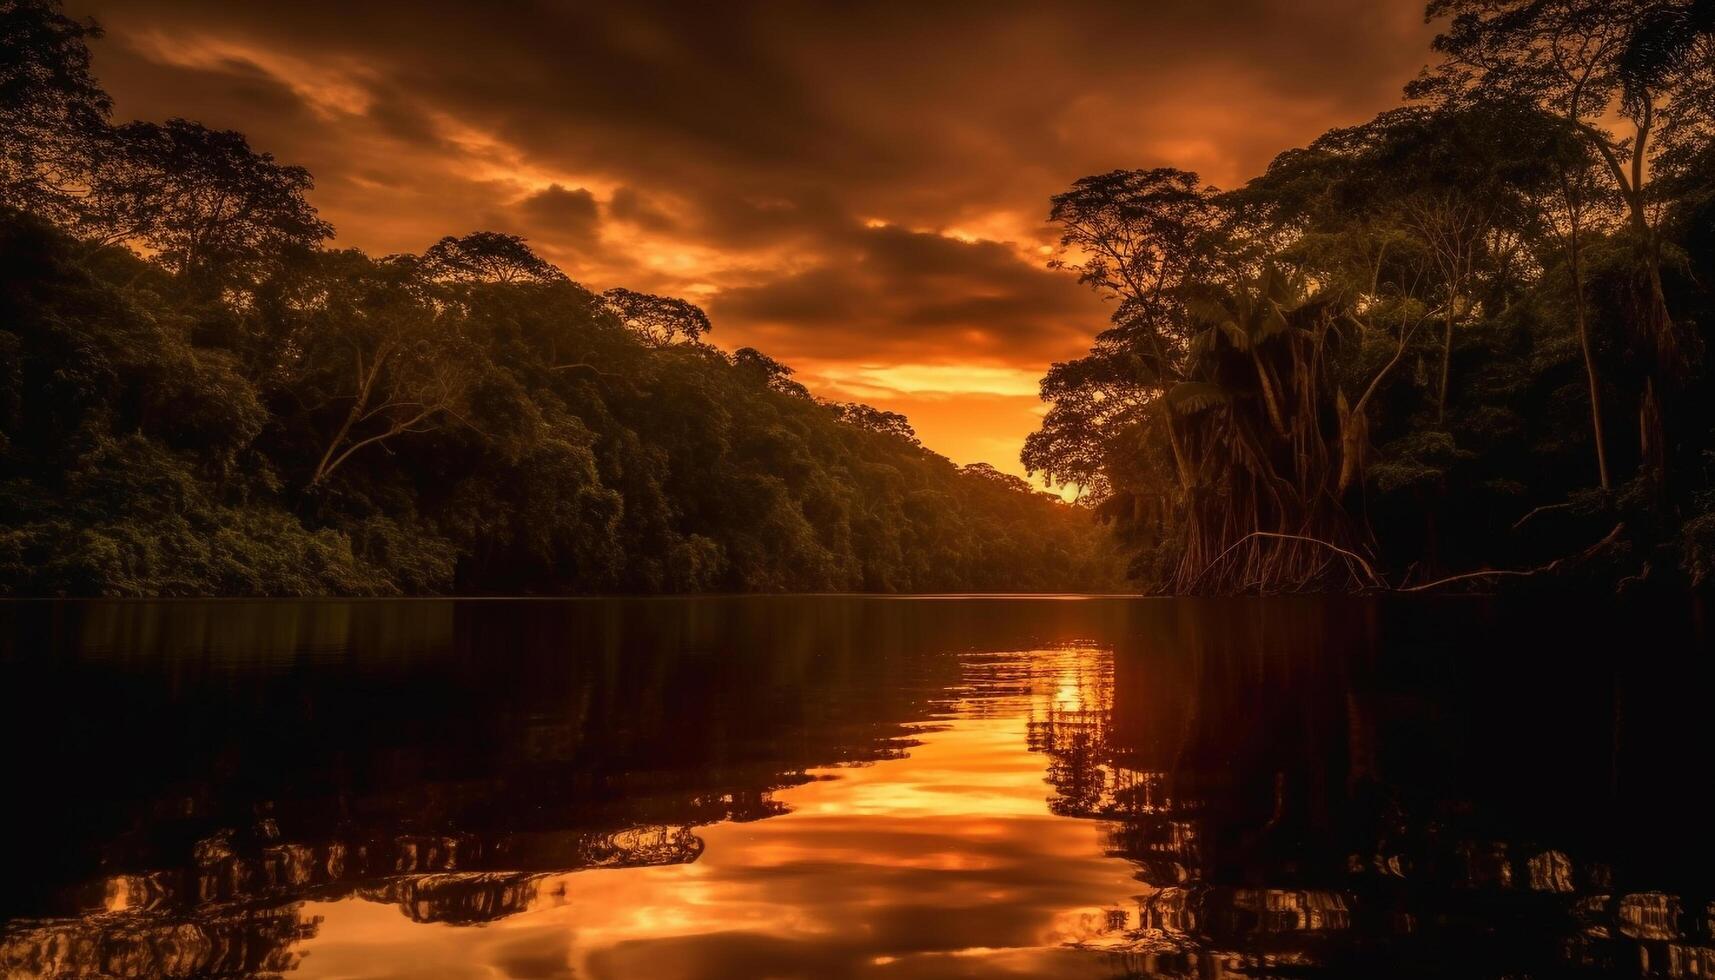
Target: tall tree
(372,359)
(1594,63)
(1570,211)
(876,420)
(53,114)
(768,372)
(659,320)
(487,256)
(212,210)
(1139,238)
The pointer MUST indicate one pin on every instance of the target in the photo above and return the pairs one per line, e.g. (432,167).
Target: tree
(1092,401)
(52,111)
(212,210)
(1253,436)
(487,256)
(238,411)
(1215,430)
(1340,211)
(988,474)
(872,419)
(1590,62)
(659,320)
(378,360)
(1457,180)
(1137,237)
(768,372)
(1569,211)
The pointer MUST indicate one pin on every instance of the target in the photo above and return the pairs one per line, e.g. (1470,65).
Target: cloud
(894,380)
(918,295)
(632,207)
(568,216)
(838,183)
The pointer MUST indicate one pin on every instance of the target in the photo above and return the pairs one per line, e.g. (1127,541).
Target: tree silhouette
(487,257)
(768,372)
(52,112)
(875,420)
(659,320)
(215,212)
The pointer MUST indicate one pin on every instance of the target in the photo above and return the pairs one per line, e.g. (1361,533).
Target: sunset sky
(859,193)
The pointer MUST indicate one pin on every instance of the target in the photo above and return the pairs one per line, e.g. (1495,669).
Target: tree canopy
(197,397)
(1461,339)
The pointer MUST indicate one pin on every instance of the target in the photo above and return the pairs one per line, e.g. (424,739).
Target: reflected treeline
(1305,787)
(186,775)
(1429,789)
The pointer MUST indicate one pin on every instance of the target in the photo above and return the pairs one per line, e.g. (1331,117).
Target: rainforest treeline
(1466,340)
(245,411)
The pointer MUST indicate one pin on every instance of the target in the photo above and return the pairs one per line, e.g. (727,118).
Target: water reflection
(852,787)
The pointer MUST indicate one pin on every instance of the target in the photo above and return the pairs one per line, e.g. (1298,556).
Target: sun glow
(881,380)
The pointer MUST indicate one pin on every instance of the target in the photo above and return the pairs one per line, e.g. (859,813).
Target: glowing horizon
(882,233)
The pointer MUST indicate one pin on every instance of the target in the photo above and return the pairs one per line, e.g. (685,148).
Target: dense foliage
(248,412)
(1467,335)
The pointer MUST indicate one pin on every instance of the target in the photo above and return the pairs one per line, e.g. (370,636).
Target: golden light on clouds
(926,380)
(839,187)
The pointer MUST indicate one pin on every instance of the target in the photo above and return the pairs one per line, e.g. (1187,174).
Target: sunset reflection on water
(827,787)
(944,861)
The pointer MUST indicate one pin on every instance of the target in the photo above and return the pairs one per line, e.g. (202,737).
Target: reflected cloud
(840,786)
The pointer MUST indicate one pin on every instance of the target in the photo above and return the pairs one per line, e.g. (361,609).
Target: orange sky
(859,193)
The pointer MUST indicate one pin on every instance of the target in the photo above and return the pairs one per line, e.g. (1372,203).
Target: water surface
(855,787)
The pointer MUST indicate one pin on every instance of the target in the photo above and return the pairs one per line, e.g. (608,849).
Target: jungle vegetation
(199,397)
(1463,343)
(1465,339)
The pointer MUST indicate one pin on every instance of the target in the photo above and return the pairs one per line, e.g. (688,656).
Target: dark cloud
(632,207)
(834,181)
(569,215)
(889,292)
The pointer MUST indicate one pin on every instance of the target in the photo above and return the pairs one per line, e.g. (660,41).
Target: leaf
(1192,397)
(1272,322)
(1203,343)
(1236,335)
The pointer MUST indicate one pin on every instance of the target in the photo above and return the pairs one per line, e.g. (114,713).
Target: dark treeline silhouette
(1468,334)
(198,397)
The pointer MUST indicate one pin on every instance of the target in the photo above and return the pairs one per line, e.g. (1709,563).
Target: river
(834,787)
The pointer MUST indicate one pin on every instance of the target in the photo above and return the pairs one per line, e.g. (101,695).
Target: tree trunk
(1659,321)
(1651,437)
(1186,479)
(322,466)
(1581,317)
(1270,397)
(1354,433)
(1446,358)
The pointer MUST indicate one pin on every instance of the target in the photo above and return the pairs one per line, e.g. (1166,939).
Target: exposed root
(1375,580)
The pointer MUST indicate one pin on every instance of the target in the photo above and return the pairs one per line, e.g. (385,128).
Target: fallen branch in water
(1504,572)
(1486,573)
(1378,582)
